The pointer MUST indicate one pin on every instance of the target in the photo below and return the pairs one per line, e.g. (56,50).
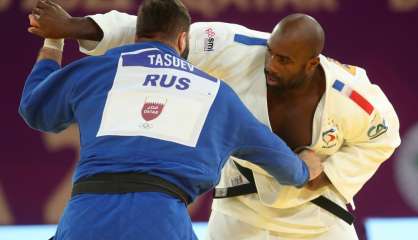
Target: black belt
(119,183)
(250,188)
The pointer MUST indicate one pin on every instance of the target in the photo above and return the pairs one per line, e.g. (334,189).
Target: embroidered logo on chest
(330,138)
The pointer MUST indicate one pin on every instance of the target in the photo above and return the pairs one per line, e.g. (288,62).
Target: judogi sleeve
(212,44)
(45,104)
(227,51)
(256,143)
(118,29)
(370,140)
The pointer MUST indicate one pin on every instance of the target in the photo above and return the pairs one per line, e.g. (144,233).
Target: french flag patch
(353,95)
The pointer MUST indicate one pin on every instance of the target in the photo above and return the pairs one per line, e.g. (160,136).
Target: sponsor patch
(209,40)
(151,109)
(377,130)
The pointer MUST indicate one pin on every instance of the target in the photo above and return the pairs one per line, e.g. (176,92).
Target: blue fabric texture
(53,98)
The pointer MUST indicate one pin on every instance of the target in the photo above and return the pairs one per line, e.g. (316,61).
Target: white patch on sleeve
(162,103)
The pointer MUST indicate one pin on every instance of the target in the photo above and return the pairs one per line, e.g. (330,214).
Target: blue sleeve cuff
(306,170)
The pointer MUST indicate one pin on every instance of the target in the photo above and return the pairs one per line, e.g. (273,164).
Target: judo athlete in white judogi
(155,132)
(306,98)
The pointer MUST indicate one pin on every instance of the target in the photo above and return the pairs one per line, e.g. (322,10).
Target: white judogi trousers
(223,227)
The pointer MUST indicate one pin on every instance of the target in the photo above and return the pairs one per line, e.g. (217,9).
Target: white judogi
(355,129)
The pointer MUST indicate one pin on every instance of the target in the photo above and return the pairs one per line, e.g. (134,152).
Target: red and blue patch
(353,95)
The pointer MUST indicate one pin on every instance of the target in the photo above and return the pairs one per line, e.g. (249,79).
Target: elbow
(42,118)
(25,110)
(32,118)
(28,115)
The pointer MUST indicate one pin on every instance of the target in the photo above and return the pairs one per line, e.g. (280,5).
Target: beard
(281,85)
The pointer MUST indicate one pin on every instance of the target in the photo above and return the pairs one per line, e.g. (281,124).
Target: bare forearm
(84,28)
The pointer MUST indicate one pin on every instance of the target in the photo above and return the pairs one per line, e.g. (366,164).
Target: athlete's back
(141,108)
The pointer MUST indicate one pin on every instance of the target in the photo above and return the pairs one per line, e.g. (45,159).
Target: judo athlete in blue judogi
(155,131)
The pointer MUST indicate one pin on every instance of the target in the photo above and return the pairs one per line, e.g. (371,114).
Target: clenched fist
(50,20)
(313,161)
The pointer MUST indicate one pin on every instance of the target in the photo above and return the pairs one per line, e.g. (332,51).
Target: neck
(165,42)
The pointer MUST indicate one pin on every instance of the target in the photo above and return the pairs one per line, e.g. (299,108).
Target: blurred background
(378,35)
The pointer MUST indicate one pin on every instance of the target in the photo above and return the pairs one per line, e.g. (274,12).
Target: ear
(313,63)
(182,42)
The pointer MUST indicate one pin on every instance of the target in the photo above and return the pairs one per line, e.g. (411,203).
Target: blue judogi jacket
(141,108)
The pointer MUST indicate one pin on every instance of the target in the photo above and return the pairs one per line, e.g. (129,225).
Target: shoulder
(355,100)
(88,71)
(352,83)
(224,28)
(208,35)
(229,97)
(91,63)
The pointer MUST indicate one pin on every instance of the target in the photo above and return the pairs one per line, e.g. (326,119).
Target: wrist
(50,53)
(308,175)
(57,44)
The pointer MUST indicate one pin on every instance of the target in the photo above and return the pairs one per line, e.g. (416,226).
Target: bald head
(292,56)
(302,30)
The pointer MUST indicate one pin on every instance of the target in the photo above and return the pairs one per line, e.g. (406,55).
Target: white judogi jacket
(355,127)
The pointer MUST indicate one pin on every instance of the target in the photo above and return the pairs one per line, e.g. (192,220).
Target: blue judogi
(141,108)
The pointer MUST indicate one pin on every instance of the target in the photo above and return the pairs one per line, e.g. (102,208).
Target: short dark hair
(163,19)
